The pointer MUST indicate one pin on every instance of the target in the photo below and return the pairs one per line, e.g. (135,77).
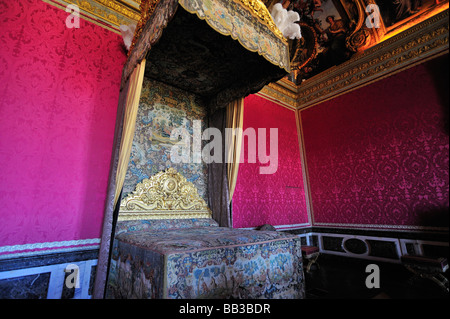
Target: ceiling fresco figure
(325,31)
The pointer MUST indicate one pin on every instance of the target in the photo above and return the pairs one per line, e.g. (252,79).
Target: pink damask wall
(58,102)
(277,199)
(378,156)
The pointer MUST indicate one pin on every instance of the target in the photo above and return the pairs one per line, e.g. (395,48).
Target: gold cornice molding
(121,8)
(280,91)
(259,9)
(108,14)
(415,45)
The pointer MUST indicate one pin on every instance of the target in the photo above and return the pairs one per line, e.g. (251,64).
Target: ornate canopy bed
(168,246)
(163,240)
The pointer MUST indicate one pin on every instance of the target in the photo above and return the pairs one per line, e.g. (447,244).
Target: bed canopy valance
(220,50)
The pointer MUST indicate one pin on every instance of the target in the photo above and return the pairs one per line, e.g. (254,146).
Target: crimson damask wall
(277,199)
(58,102)
(378,157)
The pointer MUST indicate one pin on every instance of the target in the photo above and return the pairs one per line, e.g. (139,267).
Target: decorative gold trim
(305,171)
(119,8)
(166,195)
(282,91)
(146,7)
(131,3)
(107,14)
(258,9)
(358,38)
(275,99)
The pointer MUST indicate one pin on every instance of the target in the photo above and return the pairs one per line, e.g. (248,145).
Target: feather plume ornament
(286,21)
(127,32)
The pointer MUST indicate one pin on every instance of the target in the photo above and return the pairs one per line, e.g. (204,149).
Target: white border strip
(365,255)
(380,226)
(46,247)
(292,226)
(280,227)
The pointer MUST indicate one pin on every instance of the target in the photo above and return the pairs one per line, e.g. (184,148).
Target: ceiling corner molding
(283,91)
(415,45)
(109,14)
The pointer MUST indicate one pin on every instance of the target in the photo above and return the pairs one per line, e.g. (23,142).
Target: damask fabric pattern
(378,157)
(58,101)
(279,198)
(162,109)
(206,262)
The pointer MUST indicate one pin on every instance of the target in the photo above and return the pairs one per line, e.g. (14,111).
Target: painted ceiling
(334,31)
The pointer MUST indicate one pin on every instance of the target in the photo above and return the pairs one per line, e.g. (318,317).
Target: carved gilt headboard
(166,195)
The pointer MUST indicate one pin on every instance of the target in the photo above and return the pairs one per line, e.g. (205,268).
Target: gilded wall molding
(415,45)
(283,92)
(119,7)
(105,13)
(15,251)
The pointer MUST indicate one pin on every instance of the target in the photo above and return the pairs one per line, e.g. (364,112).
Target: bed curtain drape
(234,121)
(129,125)
(123,139)
(222,176)
(218,194)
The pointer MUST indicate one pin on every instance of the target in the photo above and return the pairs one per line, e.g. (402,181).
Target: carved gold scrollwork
(358,37)
(165,195)
(357,40)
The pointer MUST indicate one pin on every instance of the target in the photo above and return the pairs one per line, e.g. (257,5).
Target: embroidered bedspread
(205,262)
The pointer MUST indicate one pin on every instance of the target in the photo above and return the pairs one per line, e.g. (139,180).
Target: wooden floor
(345,278)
